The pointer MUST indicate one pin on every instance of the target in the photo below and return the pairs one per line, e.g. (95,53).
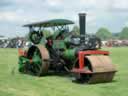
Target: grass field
(14,84)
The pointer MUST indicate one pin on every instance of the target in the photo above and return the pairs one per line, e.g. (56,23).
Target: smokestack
(82,23)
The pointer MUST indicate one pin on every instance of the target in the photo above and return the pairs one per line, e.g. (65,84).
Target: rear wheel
(36,62)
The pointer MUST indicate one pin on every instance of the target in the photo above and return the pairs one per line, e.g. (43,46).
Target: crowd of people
(115,43)
(13,43)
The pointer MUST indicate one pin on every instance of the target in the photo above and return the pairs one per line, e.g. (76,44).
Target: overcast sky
(112,14)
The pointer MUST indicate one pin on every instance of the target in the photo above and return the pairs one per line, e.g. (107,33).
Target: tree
(104,34)
(76,30)
(124,33)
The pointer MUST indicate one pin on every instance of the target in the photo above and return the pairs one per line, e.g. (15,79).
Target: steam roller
(64,52)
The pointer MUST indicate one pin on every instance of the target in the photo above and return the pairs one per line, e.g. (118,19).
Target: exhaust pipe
(82,23)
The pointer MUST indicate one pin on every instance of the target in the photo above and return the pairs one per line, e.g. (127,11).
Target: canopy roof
(50,23)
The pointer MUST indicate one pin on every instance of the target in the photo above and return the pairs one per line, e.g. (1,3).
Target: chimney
(82,23)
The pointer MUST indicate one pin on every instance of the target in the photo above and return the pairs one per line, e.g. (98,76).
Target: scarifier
(65,52)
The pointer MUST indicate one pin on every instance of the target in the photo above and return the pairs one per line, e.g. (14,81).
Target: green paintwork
(59,44)
(22,61)
(50,23)
(69,54)
(36,59)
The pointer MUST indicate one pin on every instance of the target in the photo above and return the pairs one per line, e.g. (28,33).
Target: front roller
(102,69)
(94,67)
(35,61)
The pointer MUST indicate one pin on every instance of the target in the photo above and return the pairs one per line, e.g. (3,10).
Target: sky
(111,14)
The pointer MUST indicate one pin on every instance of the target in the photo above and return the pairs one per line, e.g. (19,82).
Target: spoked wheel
(35,69)
(38,56)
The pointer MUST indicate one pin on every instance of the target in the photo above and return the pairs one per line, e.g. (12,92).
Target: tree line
(106,34)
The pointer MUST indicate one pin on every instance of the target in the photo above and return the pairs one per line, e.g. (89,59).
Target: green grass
(12,83)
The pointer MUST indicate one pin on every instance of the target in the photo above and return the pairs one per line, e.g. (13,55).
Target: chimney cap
(82,14)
